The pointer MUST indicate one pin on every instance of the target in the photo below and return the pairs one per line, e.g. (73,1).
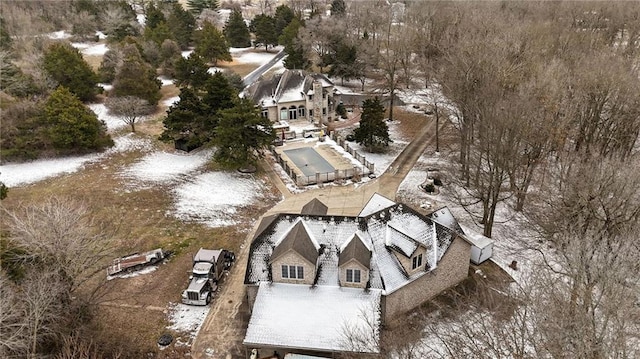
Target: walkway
(222,332)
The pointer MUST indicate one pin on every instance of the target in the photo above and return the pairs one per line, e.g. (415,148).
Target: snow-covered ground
(187,318)
(91,49)
(112,122)
(163,168)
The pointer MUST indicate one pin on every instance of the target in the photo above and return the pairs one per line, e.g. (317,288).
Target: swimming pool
(309,161)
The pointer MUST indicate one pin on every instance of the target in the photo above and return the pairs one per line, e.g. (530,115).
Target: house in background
(315,281)
(295,95)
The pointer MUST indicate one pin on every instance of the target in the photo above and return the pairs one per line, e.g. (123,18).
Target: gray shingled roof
(290,82)
(314,208)
(299,240)
(356,249)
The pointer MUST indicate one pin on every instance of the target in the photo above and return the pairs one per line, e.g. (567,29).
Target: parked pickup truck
(208,267)
(136,261)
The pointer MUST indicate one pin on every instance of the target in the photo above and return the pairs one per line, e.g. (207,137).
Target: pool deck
(335,159)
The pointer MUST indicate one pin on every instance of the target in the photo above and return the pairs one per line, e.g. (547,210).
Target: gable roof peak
(300,240)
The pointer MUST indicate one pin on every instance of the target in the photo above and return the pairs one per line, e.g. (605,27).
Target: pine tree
(373,132)
(296,58)
(211,44)
(136,78)
(218,94)
(264,27)
(242,135)
(282,18)
(192,71)
(236,30)
(72,127)
(68,68)
(187,121)
(182,25)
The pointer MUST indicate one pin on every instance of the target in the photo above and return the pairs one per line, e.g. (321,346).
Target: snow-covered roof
(299,239)
(329,313)
(290,86)
(356,249)
(476,238)
(376,203)
(446,218)
(408,228)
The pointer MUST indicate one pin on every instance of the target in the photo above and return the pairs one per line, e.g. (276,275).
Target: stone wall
(292,258)
(451,270)
(353,264)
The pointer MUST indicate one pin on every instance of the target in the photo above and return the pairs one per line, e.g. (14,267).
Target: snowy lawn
(162,168)
(91,48)
(187,318)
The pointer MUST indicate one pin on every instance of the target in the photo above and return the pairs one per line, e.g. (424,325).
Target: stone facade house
(322,274)
(295,95)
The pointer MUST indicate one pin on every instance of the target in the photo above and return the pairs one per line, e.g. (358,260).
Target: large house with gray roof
(295,95)
(311,277)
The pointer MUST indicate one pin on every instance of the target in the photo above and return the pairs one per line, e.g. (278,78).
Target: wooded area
(543,96)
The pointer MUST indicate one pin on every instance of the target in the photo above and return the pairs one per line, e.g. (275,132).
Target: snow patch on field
(251,57)
(212,198)
(166,81)
(20,174)
(163,167)
(171,101)
(112,122)
(91,49)
(137,273)
(187,318)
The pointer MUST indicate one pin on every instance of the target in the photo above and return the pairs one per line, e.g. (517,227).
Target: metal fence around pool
(337,175)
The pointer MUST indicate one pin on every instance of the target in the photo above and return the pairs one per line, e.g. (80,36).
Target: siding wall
(451,270)
(292,258)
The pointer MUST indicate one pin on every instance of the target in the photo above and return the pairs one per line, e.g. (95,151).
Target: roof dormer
(354,262)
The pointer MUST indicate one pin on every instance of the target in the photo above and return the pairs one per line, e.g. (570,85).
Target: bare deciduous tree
(130,108)
(13,331)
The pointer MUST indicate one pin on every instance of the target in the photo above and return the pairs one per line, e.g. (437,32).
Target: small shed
(481,246)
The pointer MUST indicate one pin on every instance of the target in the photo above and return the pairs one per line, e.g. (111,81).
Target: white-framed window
(292,272)
(417,261)
(284,113)
(265,113)
(301,111)
(353,275)
(293,113)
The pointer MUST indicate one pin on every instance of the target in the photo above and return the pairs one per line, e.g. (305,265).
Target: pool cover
(309,161)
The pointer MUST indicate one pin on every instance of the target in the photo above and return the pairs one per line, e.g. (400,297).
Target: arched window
(284,114)
(293,113)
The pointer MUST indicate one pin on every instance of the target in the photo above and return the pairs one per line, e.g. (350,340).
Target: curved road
(222,332)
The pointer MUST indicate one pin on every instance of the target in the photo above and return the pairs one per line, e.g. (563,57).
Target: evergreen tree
(136,78)
(373,132)
(242,135)
(13,81)
(4,190)
(218,94)
(264,27)
(191,72)
(282,18)
(153,16)
(296,58)
(159,33)
(211,44)
(338,8)
(343,61)
(197,6)
(182,24)
(235,80)
(72,127)
(67,67)
(187,121)
(236,30)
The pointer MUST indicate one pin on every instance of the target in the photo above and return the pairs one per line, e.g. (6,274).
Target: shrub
(429,188)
